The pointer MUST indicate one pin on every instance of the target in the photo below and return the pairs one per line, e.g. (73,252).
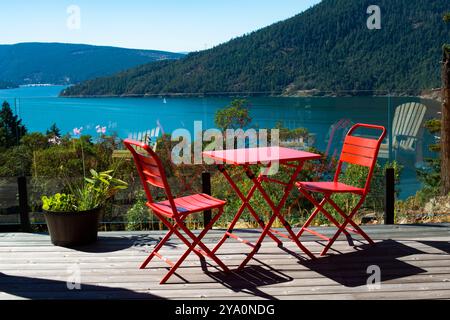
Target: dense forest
(328,48)
(60,63)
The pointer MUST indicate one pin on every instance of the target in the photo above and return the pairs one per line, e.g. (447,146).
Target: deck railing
(325,120)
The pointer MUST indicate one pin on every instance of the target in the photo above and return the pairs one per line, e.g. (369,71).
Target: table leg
(245,204)
(276,214)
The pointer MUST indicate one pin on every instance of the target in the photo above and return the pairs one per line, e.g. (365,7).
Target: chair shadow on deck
(250,279)
(37,288)
(106,244)
(352,269)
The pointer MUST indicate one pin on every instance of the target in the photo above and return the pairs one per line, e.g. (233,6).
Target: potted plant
(72,218)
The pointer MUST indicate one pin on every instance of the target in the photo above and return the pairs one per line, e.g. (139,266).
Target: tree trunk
(445,133)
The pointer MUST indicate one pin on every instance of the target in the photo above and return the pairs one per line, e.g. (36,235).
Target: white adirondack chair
(149,137)
(407,122)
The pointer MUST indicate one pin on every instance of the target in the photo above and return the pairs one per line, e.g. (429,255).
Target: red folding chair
(356,150)
(151,172)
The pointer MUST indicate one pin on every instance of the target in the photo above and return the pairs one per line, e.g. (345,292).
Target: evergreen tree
(53,131)
(234,116)
(11,128)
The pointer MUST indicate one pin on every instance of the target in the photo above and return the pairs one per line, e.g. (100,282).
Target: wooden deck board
(414,263)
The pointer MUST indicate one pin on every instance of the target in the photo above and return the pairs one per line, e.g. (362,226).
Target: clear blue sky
(173,25)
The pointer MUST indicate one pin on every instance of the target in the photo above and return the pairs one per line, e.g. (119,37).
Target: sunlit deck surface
(414,263)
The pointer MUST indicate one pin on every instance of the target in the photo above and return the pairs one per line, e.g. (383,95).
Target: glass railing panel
(316,123)
(9,205)
(12,158)
(415,135)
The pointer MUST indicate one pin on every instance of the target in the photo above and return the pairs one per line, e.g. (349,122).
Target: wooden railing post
(206,188)
(389,207)
(23,204)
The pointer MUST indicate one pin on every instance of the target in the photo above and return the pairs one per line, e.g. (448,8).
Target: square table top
(261,155)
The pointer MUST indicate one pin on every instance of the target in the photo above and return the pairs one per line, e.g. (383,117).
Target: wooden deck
(414,263)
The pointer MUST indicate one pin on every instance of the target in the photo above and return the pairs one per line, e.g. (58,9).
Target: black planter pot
(69,229)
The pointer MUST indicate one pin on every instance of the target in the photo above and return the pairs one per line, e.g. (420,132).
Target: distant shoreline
(430,94)
(5,85)
(31,85)
(433,94)
(40,85)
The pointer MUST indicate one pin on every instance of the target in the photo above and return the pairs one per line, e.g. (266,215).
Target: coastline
(431,94)
(427,94)
(31,85)
(4,85)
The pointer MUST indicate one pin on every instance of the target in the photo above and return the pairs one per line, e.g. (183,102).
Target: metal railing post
(389,206)
(23,204)
(206,188)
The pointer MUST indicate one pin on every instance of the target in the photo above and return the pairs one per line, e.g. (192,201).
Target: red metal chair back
(361,151)
(150,169)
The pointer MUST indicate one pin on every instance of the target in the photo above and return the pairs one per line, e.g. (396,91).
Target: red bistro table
(267,156)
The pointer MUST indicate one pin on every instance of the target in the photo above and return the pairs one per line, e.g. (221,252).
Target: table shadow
(250,278)
(355,269)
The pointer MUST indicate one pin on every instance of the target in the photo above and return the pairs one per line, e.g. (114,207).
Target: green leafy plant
(59,202)
(92,193)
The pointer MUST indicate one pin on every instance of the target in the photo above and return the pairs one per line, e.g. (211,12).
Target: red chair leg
(196,241)
(310,219)
(175,227)
(172,229)
(351,222)
(156,249)
(342,227)
(208,252)
(319,208)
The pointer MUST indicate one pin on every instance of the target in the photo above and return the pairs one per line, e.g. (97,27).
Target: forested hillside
(327,47)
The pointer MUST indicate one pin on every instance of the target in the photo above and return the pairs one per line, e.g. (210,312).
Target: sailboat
(164,101)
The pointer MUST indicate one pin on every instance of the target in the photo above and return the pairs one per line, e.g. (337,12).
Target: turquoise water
(39,108)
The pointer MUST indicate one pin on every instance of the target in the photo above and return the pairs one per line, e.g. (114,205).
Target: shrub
(138,216)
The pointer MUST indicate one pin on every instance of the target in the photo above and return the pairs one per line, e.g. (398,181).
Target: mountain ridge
(64,63)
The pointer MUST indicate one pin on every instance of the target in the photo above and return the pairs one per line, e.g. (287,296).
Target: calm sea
(40,107)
